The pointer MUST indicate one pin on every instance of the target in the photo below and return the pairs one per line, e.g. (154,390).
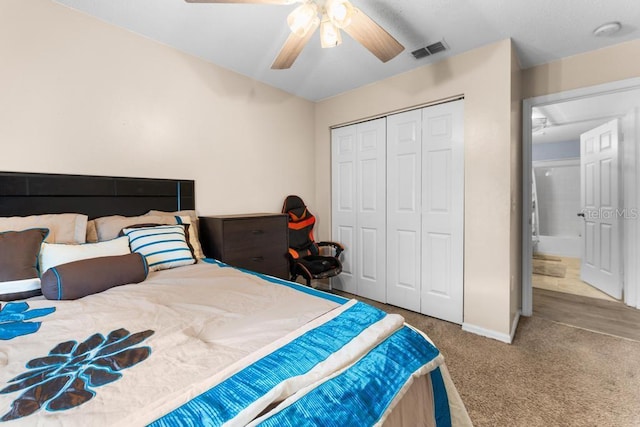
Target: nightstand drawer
(250,237)
(266,263)
(258,242)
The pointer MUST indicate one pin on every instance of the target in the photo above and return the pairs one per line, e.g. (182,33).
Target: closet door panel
(443,211)
(343,202)
(404,150)
(371,209)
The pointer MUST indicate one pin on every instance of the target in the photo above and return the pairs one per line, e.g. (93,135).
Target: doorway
(558,239)
(575,194)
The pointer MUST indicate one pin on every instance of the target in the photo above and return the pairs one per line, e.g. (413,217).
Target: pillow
(164,246)
(108,227)
(89,276)
(186,233)
(92,233)
(56,254)
(186,217)
(63,228)
(18,263)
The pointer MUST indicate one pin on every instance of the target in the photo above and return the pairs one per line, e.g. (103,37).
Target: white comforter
(134,353)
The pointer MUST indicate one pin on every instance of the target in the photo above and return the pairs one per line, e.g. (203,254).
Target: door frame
(631,287)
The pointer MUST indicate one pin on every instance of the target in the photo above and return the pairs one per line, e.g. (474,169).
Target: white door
(359,207)
(371,209)
(443,211)
(343,202)
(404,153)
(600,201)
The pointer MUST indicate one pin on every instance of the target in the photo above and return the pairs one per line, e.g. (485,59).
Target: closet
(398,207)
(359,206)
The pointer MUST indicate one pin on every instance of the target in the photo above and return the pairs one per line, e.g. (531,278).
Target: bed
(200,343)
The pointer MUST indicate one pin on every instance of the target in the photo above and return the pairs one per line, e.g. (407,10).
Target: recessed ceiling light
(608,29)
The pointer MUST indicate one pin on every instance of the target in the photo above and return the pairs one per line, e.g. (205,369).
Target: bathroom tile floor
(571,283)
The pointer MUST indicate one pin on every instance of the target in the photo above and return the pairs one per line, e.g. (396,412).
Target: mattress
(209,344)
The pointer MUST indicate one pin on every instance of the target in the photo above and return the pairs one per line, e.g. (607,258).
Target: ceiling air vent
(429,50)
(420,53)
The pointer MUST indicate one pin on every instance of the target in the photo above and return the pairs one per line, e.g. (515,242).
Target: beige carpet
(552,375)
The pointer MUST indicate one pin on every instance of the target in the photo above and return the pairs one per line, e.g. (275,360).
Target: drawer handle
(257,232)
(257,259)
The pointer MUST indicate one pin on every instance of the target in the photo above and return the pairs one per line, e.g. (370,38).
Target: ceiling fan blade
(243,1)
(292,48)
(373,36)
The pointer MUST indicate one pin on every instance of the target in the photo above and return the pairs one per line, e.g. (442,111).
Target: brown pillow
(89,276)
(19,252)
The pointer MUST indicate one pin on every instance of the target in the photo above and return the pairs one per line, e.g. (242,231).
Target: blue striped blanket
(345,371)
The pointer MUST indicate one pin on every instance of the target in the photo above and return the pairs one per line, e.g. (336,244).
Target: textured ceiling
(247,37)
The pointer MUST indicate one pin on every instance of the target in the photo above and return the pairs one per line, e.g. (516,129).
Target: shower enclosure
(556,201)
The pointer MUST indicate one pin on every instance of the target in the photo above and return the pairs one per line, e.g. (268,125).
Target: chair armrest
(337,246)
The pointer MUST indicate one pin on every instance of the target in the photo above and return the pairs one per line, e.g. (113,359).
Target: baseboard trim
(514,325)
(489,333)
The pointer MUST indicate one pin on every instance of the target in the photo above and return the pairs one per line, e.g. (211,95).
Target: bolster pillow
(89,276)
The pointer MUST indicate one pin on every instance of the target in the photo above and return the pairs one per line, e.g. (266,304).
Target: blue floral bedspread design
(65,378)
(13,318)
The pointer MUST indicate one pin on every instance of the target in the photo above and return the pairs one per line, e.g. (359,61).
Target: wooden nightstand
(257,242)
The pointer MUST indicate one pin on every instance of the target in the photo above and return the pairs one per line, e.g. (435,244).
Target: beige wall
(81,96)
(516,188)
(484,77)
(610,64)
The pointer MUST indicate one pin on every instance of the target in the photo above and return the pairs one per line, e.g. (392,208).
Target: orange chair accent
(304,252)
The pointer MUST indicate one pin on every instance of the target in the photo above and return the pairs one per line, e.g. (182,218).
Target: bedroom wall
(82,96)
(484,77)
(600,66)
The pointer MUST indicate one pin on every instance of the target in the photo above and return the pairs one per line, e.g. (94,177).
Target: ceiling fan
(331,16)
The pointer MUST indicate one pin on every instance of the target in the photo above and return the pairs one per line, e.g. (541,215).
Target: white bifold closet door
(404,160)
(398,207)
(359,207)
(425,210)
(443,211)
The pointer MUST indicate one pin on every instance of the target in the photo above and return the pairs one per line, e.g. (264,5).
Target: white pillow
(55,254)
(164,246)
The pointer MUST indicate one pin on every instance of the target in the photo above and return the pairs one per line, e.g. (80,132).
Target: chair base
(308,277)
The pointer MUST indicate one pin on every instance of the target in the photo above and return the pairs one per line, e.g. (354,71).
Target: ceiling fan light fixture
(339,12)
(329,34)
(303,18)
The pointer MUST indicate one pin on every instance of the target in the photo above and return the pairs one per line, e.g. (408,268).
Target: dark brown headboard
(34,194)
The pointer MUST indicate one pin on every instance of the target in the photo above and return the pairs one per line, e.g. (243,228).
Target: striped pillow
(164,246)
